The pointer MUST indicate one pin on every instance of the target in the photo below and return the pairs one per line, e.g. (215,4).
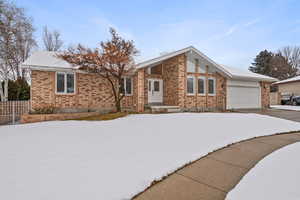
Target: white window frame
(124,84)
(214,79)
(190,94)
(65,83)
(204,80)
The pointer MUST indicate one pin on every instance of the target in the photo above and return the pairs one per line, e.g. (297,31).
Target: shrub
(44,110)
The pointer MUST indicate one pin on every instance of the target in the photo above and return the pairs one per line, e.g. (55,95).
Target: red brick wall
(265,94)
(174,74)
(92,92)
(217,101)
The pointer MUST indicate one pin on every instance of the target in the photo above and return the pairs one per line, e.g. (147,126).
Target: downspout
(206,87)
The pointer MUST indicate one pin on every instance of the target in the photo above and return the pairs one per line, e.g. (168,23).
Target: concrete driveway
(284,114)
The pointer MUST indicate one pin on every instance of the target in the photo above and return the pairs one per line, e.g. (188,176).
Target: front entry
(155,91)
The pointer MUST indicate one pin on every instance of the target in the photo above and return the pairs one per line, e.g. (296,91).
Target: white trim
(65,83)
(204,79)
(214,79)
(193,93)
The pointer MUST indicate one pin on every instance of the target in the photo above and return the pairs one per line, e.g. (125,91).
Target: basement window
(65,83)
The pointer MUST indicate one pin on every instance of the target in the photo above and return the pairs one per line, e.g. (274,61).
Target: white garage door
(241,94)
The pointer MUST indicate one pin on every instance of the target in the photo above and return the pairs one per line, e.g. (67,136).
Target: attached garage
(243,94)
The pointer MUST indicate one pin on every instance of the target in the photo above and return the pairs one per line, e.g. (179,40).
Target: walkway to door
(214,175)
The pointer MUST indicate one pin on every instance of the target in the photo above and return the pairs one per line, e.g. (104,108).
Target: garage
(243,94)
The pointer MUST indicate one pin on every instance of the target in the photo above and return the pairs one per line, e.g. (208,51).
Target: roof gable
(227,71)
(178,52)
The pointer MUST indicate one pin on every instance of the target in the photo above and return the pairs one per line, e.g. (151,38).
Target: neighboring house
(185,78)
(289,86)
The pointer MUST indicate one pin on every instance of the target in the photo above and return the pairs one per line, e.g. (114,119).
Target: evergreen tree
(274,65)
(262,63)
(18,90)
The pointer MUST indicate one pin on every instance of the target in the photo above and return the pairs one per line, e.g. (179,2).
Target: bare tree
(292,54)
(112,61)
(16,43)
(52,41)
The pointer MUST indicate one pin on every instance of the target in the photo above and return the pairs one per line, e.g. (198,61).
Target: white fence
(11,111)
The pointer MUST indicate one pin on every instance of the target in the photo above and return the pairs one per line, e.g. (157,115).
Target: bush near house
(108,116)
(18,90)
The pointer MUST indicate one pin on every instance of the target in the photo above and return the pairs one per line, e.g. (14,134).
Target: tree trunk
(6,90)
(118,105)
(1,92)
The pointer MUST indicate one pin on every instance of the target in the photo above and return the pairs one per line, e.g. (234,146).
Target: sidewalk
(213,176)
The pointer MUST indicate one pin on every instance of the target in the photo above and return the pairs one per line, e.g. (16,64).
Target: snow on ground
(286,107)
(116,159)
(276,177)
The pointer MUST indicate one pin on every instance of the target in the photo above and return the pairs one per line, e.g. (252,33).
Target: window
(149,85)
(60,80)
(126,86)
(197,65)
(156,86)
(65,83)
(190,85)
(191,65)
(201,85)
(211,86)
(70,83)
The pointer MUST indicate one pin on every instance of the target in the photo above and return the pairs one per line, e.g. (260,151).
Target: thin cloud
(251,23)
(104,24)
(231,30)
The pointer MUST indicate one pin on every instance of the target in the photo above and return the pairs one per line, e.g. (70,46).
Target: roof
(296,78)
(246,74)
(178,52)
(46,59)
(229,71)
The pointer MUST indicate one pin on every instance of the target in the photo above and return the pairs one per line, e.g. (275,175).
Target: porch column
(140,90)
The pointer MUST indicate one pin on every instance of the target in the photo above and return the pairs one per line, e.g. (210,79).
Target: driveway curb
(213,176)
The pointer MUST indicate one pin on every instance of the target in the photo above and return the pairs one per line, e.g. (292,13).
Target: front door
(155,91)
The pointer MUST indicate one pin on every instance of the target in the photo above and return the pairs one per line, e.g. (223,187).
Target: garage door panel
(243,97)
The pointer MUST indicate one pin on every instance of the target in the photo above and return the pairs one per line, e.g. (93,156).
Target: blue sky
(231,32)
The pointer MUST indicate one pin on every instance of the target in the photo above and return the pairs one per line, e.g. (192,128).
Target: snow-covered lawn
(286,107)
(116,159)
(276,177)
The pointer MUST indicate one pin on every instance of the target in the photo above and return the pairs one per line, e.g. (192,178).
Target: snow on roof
(46,59)
(296,78)
(240,73)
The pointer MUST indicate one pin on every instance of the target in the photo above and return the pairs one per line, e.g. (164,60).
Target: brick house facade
(171,73)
